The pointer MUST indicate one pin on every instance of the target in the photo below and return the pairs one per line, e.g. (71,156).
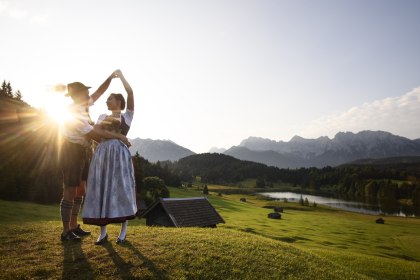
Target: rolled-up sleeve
(83,126)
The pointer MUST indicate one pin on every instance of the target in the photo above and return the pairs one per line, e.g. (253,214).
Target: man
(74,158)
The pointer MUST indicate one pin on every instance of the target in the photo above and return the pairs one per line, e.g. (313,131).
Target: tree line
(30,168)
(6,91)
(391,181)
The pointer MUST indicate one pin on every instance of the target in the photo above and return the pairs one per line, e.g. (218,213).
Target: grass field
(307,243)
(388,251)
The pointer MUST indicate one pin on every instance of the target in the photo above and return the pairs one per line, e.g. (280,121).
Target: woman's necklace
(116,114)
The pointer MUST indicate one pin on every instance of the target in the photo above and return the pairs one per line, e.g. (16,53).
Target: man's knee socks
(66,210)
(76,206)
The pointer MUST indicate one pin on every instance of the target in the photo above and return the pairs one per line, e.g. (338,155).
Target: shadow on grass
(291,239)
(222,205)
(75,264)
(122,266)
(157,273)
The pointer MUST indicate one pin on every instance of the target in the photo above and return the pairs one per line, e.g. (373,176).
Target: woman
(111,192)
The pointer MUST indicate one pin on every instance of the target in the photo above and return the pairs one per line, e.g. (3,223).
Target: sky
(213,73)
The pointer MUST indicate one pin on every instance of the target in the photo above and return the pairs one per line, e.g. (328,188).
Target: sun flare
(57,109)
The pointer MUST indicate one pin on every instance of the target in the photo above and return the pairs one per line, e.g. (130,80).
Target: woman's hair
(119,97)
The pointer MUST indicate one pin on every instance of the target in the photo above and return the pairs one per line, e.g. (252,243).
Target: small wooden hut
(182,212)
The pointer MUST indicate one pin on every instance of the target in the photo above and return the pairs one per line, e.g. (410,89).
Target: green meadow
(307,243)
(355,241)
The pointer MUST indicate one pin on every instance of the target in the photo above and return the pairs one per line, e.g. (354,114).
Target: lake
(368,206)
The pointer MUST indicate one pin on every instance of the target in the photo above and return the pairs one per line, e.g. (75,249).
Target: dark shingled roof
(188,212)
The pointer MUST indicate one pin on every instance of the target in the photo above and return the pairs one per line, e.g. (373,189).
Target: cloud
(398,115)
(3,6)
(18,13)
(39,19)
(12,11)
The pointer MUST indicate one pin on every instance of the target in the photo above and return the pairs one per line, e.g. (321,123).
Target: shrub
(155,188)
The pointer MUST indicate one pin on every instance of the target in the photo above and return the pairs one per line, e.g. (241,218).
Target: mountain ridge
(323,151)
(298,152)
(158,150)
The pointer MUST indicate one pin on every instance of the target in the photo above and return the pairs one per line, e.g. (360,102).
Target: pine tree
(301,202)
(18,95)
(6,90)
(3,89)
(9,90)
(205,190)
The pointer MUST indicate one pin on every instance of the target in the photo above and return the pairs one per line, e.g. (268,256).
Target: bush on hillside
(155,189)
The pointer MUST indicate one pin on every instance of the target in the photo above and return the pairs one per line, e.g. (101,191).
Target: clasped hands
(116,74)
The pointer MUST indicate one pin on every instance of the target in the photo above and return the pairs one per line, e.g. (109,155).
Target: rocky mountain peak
(323,151)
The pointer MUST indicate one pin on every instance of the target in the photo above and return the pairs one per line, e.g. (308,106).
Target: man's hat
(75,87)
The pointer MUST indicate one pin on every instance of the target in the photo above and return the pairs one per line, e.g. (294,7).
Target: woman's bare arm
(99,132)
(103,87)
(128,89)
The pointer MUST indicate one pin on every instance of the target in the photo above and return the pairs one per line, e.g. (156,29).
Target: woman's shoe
(120,241)
(102,241)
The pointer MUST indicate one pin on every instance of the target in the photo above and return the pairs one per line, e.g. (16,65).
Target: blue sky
(212,73)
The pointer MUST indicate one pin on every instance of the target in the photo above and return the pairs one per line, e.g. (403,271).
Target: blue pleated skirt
(111,191)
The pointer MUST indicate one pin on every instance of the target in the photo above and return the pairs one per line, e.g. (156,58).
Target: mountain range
(323,151)
(298,152)
(158,150)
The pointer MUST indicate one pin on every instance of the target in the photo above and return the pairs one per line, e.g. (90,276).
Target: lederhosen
(74,160)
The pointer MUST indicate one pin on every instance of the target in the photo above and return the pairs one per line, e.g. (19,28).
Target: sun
(57,108)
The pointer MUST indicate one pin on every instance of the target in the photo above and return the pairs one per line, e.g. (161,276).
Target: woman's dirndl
(111,191)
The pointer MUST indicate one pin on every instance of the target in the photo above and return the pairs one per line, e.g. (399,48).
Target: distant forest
(29,165)
(395,179)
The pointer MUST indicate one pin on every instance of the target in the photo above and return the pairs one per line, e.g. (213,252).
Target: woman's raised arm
(103,87)
(128,89)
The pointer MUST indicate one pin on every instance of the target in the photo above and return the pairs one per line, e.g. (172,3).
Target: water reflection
(366,205)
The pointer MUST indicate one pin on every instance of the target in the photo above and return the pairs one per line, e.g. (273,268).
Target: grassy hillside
(30,239)
(388,251)
(313,244)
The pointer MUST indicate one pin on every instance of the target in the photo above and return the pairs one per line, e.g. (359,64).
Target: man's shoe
(102,241)
(70,236)
(80,232)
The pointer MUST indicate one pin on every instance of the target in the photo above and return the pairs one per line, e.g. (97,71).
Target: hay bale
(380,221)
(274,215)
